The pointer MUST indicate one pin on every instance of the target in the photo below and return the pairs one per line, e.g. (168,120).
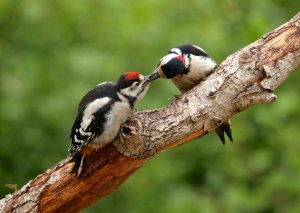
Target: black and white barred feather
(102,111)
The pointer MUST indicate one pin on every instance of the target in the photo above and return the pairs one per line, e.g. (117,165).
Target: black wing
(191,49)
(80,137)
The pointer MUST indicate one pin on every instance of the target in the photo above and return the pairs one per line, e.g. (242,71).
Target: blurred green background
(53,52)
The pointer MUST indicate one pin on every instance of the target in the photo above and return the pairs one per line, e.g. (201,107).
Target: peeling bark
(245,78)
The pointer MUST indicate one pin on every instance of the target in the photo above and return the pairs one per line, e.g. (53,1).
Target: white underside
(118,115)
(200,67)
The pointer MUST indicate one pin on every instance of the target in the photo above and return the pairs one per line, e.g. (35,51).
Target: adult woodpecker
(186,66)
(101,113)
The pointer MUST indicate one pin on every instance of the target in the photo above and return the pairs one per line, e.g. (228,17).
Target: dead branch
(247,77)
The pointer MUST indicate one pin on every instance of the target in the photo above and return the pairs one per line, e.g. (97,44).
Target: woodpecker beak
(151,77)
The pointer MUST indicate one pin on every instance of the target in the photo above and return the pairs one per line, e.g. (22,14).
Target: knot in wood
(129,128)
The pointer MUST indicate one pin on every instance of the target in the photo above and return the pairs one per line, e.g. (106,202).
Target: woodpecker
(186,66)
(101,113)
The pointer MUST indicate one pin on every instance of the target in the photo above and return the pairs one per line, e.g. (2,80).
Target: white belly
(119,114)
(199,69)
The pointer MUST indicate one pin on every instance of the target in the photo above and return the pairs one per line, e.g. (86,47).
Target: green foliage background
(53,52)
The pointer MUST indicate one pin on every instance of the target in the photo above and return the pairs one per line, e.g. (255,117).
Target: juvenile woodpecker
(101,113)
(186,66)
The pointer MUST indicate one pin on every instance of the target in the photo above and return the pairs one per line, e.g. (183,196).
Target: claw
(228,132)
(224,127)
(220,133)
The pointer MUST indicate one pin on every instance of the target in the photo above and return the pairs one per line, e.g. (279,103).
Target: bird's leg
(220,133)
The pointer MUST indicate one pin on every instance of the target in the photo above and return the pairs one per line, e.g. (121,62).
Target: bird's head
(134,84)
(171,65)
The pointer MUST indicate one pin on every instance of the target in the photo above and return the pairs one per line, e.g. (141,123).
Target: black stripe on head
(192,49)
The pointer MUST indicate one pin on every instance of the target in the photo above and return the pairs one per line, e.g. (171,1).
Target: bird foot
(224,128)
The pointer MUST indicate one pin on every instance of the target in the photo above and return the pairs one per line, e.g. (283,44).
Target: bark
(245,78)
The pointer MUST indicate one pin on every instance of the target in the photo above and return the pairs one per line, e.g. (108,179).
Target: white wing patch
(88,113)
(84,133)
(104,83)
(199,48)
(77,141)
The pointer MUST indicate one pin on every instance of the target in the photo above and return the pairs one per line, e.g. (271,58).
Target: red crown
(131,75)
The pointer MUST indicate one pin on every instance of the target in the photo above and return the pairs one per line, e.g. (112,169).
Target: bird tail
(78,159)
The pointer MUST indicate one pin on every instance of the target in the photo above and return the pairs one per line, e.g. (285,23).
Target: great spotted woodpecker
(101,113)
(186,66)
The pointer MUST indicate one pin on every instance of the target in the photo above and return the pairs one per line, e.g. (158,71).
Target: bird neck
(126,98)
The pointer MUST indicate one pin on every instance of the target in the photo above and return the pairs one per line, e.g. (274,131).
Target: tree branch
(245,78)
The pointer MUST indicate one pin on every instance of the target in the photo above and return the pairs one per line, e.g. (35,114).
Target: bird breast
(115,118)
(200,67)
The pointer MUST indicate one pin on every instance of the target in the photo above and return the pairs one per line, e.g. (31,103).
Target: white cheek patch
(84,133)
(88,113)
(78,141)
(136,92)
(129,92)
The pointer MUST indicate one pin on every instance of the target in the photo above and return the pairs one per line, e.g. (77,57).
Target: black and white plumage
(186,66)
(102,111)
